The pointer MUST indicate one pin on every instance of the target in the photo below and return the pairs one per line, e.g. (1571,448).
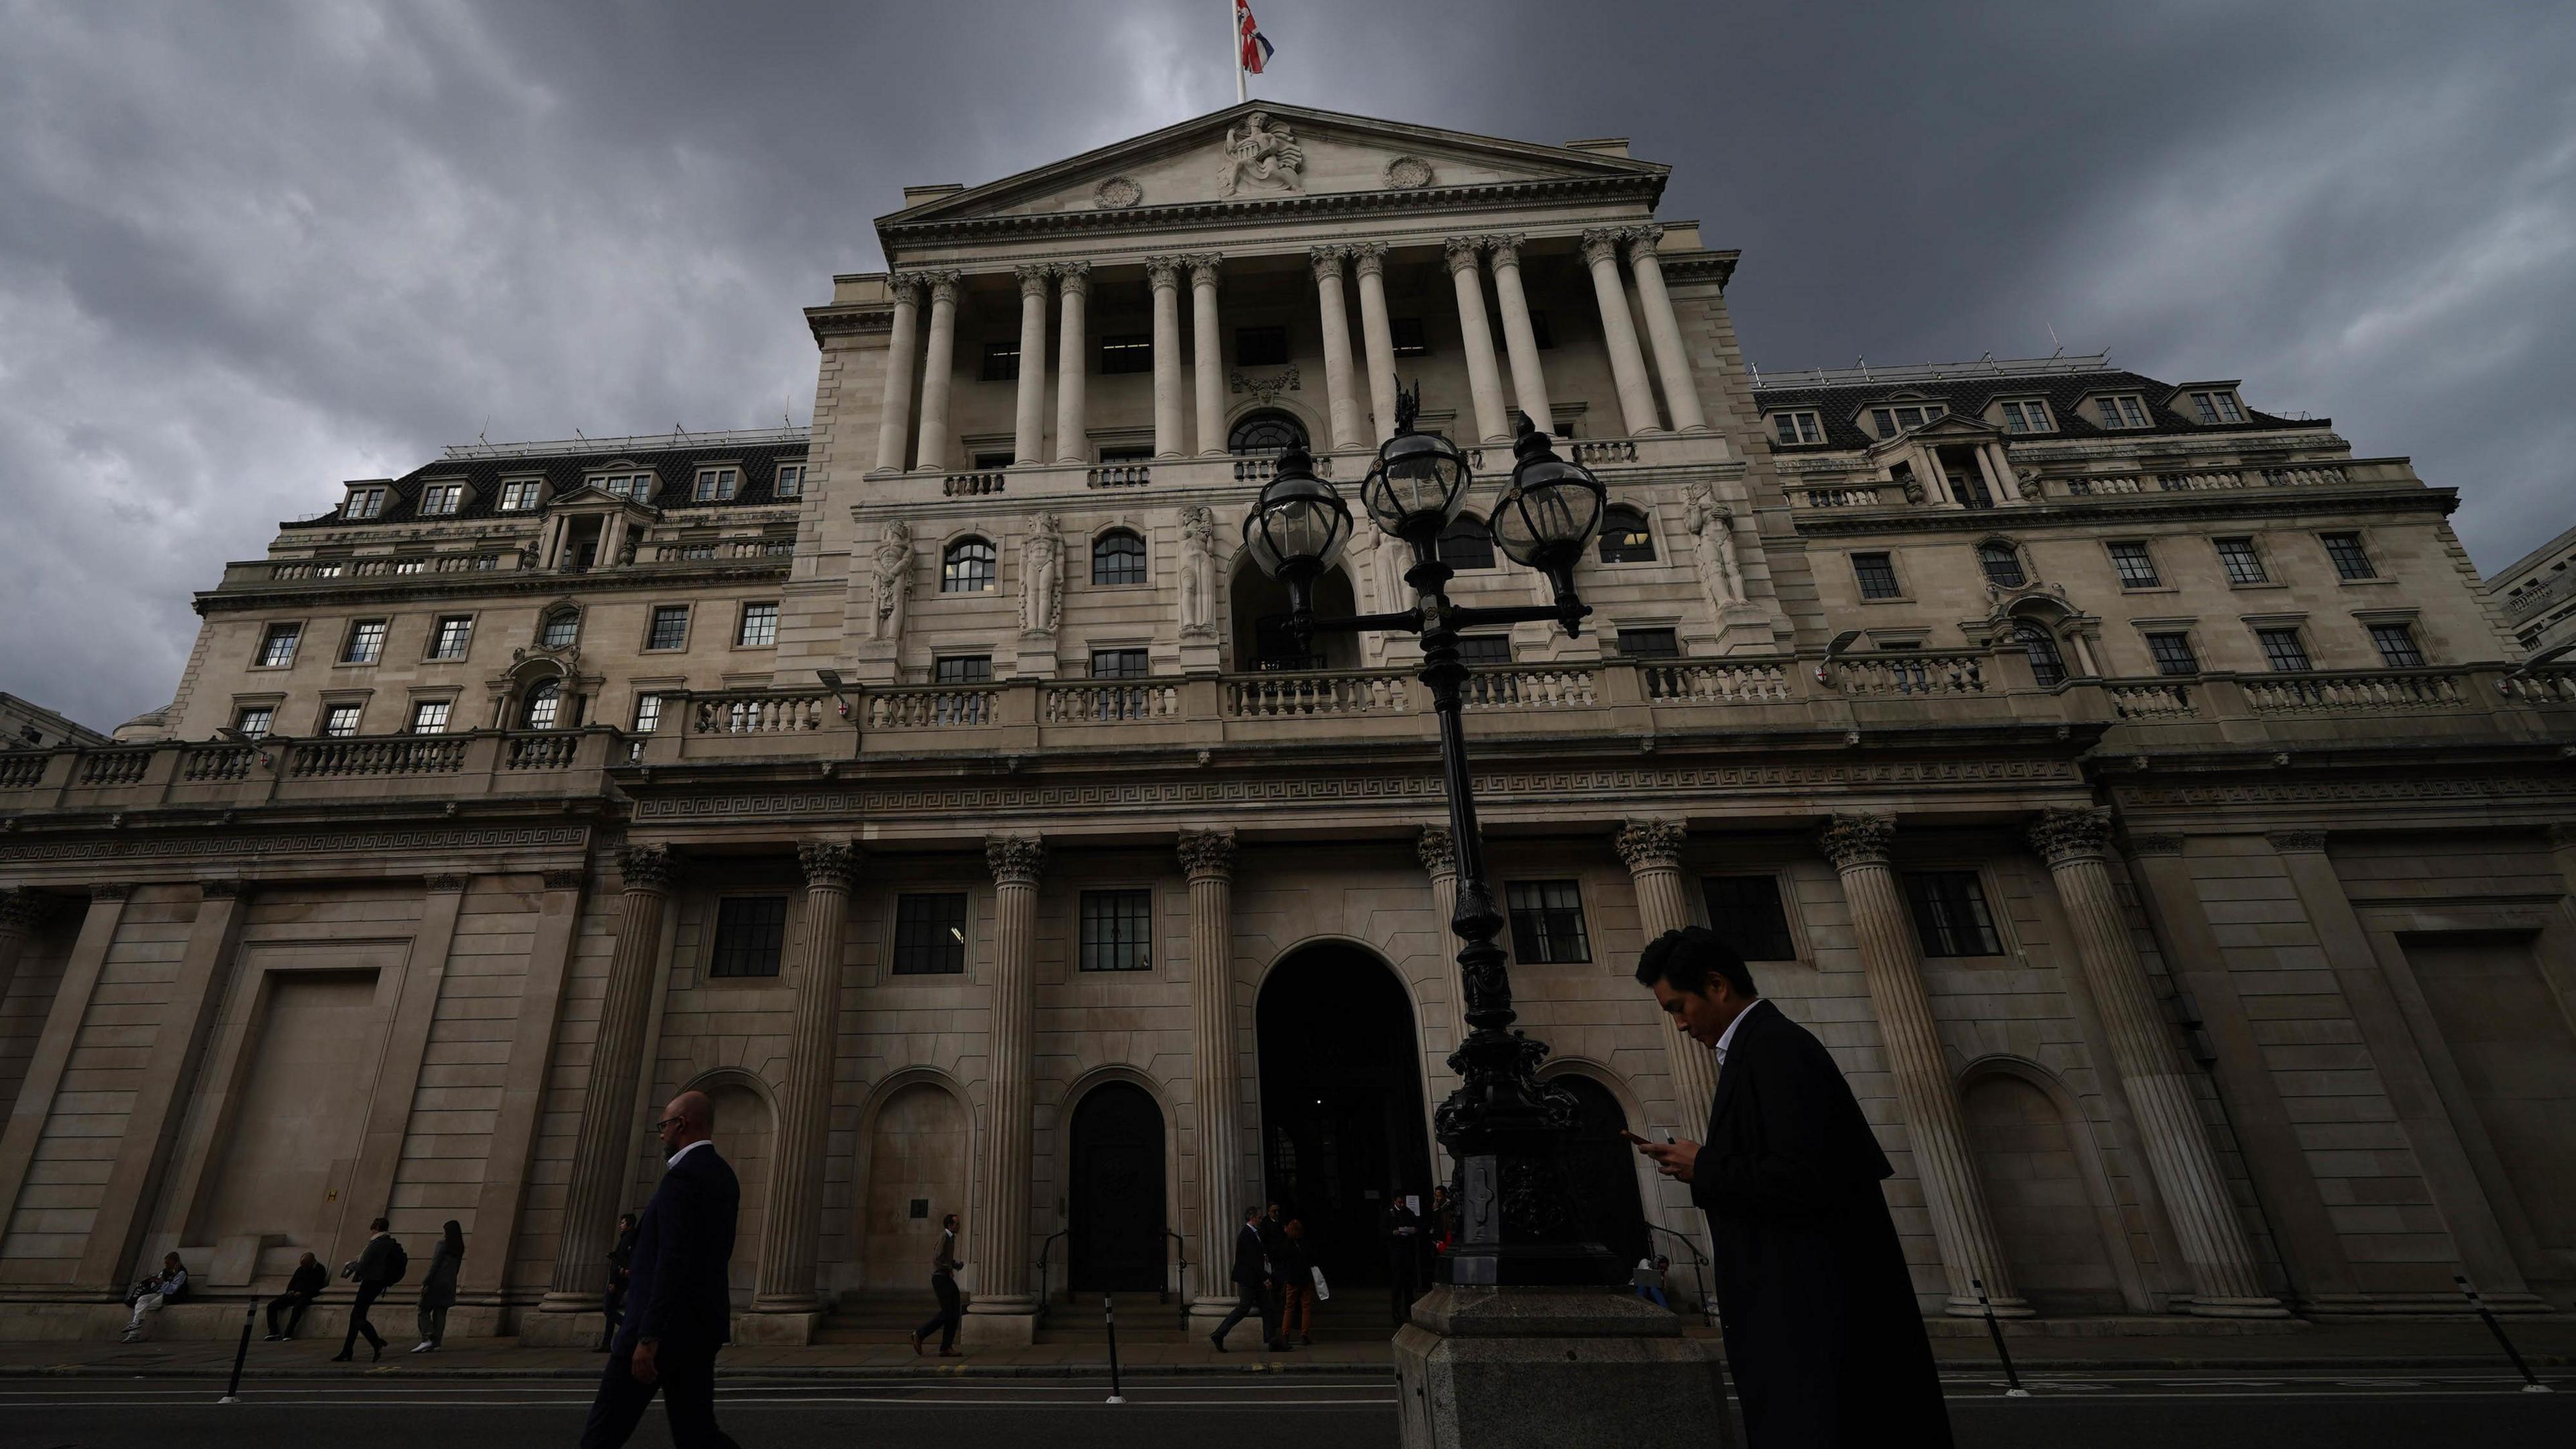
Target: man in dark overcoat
(1823,1333)
(679,1302)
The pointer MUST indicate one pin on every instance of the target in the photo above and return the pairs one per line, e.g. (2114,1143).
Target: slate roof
(676,468)
(1843,405)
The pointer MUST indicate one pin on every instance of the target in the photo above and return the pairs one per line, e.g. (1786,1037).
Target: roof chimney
(1616,146)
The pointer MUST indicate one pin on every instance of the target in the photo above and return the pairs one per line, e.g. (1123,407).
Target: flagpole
(1234,27)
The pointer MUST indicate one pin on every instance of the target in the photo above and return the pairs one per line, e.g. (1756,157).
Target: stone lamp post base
(1501,1368)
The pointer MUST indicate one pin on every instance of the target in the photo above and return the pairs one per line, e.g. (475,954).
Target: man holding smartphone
(1823,1334)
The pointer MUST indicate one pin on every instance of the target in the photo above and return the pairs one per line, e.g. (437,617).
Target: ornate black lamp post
(1505,1130)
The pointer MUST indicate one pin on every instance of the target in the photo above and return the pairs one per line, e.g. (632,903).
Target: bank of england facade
(2132,787)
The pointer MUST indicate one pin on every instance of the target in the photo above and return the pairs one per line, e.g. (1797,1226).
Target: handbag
(1323,1290)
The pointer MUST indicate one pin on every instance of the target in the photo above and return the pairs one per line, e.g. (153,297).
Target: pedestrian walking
(680,1305)
(152,1293)
(1295,1271)
(1823,1336)
(1403,1258)
(1274,1243)
(302,1286)
(379,1266)
(943,1286)
(621,1259)
(438,1287)
(1251,1277)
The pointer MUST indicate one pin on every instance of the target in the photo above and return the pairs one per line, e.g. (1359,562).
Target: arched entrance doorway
(742,1127)
(1341,1104)
(1602,1169)
(1115,1208)
(917,1151)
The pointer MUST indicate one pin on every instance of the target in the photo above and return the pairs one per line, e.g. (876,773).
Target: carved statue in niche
(1198,573)
(1714,526)
(1042,578)
(894,578)
(1261,156)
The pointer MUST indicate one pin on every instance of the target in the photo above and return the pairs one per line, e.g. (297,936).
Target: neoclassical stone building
(2133,788)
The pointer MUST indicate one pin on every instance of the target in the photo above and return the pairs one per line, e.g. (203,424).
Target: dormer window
(638,486)
(2122,410)
(441,500)
(1891,421)
(521,495)
(2216,406)
(2027,415)
(364,503)
(791,481)
(715,485)
(1798,427)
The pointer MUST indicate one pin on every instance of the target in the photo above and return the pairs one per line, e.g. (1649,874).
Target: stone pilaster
(1653,851)
(787,1283)
(1342,400)
(1439,852)
(1520,339)
(1028,418)
(894,416)
(22,914)
(1072,364)
(1476,339)
(1377,337)
(1207,355)
(1208,858)
(1672,360)
(1619,330)
(1002,1289)
(1163,275)
(938,368)
(1858,847)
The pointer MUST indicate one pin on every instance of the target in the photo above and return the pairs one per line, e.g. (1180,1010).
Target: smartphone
(1633,1137)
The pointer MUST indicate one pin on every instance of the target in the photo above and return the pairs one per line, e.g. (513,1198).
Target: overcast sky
(250,249)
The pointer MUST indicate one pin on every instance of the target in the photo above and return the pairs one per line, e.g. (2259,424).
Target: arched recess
(1264,430)
(917,1141)
(2051,1200)
(1602,1166)
(746,1122)
(528,680)
(1117,1174)
(1258,603)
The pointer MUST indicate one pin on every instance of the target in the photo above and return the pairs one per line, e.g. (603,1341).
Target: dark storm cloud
(249,250)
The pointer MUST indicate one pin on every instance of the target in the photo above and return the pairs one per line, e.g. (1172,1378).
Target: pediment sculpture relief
(1261,157)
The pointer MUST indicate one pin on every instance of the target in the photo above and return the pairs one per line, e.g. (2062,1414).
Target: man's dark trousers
(293,1305)
(1249,1299)
(687,1373)
(358,1323)
(950,1310)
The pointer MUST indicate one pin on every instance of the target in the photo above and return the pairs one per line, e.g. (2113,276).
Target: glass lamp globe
(1417,486)
(1551,511)
(1299,525)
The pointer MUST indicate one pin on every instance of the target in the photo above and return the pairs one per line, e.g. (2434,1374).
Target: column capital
(2297,839)
(1015,859)
(222,890)
(570,878)
(1368,259)
(1204,266)
(828,864)
(448,884)
(1438,849)
(1034,278)
(2155,845)
(2063,835)
(1072,278)
(1207,854)
(646,867)
(1600,244)
(2561,835)
(1505,250)
(906,287)
(1850,840)
(1164,272)
(1327,261)
(1461,252)
(1650,844)
(1642,240)
(24,910)
(944,285)
(110,890)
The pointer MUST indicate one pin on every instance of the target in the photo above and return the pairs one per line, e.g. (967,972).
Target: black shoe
(340,1357)
(376,1351)
(273,1338)
(1219,1342)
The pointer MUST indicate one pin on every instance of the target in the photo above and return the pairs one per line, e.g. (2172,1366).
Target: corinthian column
(1477,340)
(1653,851)
(1327,262)
(2224,1281)
(1028,423)
(938,362)
(894,418)
(1377,338)
(805,1109)
(1672,360)
(1858,846)
(1207,857)
(1072,365)
(1206,356)
(21,912)
(1520,339)
(1627,364)
(1003,1284)
(607,1099)
(1164,273)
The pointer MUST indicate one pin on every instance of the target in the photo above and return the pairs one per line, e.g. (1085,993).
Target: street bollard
(2531,1383)
(2015,1391)
(1109,1320)
(232,1390)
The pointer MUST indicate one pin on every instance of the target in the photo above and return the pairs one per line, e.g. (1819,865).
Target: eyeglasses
(669,1122)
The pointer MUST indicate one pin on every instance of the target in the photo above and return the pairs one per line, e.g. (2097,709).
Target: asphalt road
(2101,1411)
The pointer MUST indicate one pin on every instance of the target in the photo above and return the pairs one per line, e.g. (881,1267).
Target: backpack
(397,1262)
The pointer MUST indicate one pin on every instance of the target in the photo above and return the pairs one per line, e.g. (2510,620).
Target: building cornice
(2094,512)
(1271,209)
(511,583)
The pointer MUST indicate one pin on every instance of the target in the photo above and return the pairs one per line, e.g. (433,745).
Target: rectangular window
(1877,575)
(2136,567)
(1408,336)
(962,669)
(277,646)
(2351,560)
(1493,648)
(1891,421)
(521,495)
(2396,643)
(2125,411)
(670,627)
(638,486)
(254,719)
(1117,930)
(340,721)
(453,636)
(992,462)
(1547,922)
(1120,664)
(791,481)
(715,485)
(2283,651)
(1744,911)
(1798,427)
(440,499)
(1260,346)
(750,931)
(1950,913)
(364,503)
(648,713)
(366,642)
(429,717)
(2173,654)
(1127,352)
(1648,644)
(2244,565)
(929,935)
(759,626)
(2217,407)
(1002,361)
(2030,416)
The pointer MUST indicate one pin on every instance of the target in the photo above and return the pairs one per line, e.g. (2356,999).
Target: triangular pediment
(1262,152)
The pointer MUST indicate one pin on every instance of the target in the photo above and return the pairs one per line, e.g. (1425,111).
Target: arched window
(1265,434)
(967,567)
(1465,544)
(1625,537)
(2046,663)
(544,707)
(2002,563)
(560,630)
(1118,557)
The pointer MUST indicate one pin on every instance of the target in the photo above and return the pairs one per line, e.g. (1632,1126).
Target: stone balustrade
(1913,673)
(2372,690)
(759,712)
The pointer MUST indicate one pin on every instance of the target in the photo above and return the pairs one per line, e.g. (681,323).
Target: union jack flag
(1256,46)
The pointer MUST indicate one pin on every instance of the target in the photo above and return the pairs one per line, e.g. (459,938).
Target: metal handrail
(1045,1251)
(1699,1262)
(1180,1285)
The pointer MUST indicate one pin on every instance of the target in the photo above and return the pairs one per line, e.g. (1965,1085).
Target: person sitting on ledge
(154,1291)
(301,1289)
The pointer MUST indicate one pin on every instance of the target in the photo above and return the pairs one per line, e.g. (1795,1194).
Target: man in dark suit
(1822,1329)
(1251,1279)
(679,1305)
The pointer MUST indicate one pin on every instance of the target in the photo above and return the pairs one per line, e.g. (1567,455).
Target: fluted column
(1653,851)
(21,912)
(1028,423)
(894,417)
(1207,858)
(1207,355)
(1476,339)
(1627,364)
(1164,275)
(1377,338)
(1439,852)
(1520,339)
(1672,360)
(1003,1284)
(607,1100)
(1858,847)
(938,362)
(1072,364)
(788,1252)
(1344,403)
(2224,1280)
